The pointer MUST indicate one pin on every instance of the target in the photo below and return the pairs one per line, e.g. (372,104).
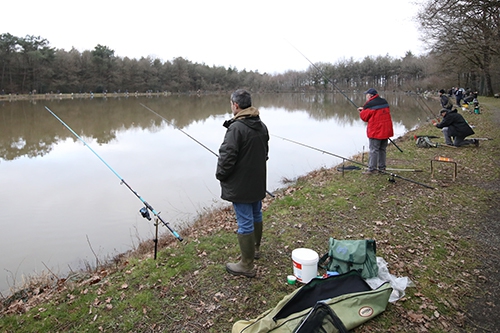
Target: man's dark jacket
(457,126)
(241,167)
(445,102)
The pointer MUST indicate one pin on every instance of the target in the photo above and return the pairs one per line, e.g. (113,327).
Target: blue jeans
(247,214)
(377,154)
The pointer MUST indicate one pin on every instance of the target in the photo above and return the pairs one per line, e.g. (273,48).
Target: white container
(305,264)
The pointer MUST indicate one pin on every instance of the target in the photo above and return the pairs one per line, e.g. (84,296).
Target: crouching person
(242,172)
(457,128)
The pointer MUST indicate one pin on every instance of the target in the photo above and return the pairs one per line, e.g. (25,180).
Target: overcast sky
(253,35)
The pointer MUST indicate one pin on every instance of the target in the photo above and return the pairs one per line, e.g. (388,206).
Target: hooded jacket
(377,114)
(445,102)
(241,166)
(457,126)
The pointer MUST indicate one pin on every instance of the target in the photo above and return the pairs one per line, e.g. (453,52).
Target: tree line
(464,50)
(464,36)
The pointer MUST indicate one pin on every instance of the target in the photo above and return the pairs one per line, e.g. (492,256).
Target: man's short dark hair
(242,98)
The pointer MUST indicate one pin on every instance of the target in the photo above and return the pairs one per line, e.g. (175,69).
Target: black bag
(321,319)
(346,255)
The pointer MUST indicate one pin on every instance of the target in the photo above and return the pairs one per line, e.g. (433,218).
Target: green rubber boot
(245,265)
(257,229)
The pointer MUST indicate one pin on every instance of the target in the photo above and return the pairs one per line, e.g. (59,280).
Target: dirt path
(482,312)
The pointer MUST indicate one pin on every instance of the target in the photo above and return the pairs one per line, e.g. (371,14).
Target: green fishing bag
(351,300)
(346,255)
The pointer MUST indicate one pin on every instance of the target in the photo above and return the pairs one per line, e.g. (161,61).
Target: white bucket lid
(305,256)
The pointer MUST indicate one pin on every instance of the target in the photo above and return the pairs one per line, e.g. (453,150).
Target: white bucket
(305,264)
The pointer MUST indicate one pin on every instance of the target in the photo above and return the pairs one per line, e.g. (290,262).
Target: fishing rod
(336,87)
(176,127)
(420,101)
(353,167)
(144,210)
(392,175)
(184,132)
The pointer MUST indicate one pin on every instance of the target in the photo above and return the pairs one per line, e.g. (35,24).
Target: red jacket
(378,116)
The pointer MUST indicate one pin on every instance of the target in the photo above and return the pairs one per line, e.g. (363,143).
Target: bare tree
(464,33)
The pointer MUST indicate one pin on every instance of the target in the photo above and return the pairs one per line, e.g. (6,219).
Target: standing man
(459,95)
(445,100)
(242,172)
(377,114)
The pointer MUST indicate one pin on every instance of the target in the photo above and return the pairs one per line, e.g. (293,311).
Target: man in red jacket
(377,114)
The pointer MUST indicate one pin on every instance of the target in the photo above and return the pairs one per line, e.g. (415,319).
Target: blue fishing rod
(184,132)
(144,210)
(336,87)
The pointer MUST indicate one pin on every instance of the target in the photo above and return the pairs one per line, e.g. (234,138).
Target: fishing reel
(391,178)
(145,213)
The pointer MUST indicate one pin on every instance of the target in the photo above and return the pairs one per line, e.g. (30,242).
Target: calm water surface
(61,203)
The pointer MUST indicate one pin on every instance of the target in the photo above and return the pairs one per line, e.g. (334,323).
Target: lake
(62,204)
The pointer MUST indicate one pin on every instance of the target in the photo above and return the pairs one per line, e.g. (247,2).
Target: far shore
(50,96)
(90,95)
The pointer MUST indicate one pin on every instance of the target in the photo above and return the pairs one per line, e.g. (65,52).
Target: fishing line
(421,101)
(184,132)
(144,211)
(416,96)
(336,87)
(392,175)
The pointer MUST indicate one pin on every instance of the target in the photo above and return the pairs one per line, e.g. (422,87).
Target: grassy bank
(433,236)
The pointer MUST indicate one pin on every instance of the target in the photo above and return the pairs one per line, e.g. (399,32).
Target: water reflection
(58,197)
(25,129)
